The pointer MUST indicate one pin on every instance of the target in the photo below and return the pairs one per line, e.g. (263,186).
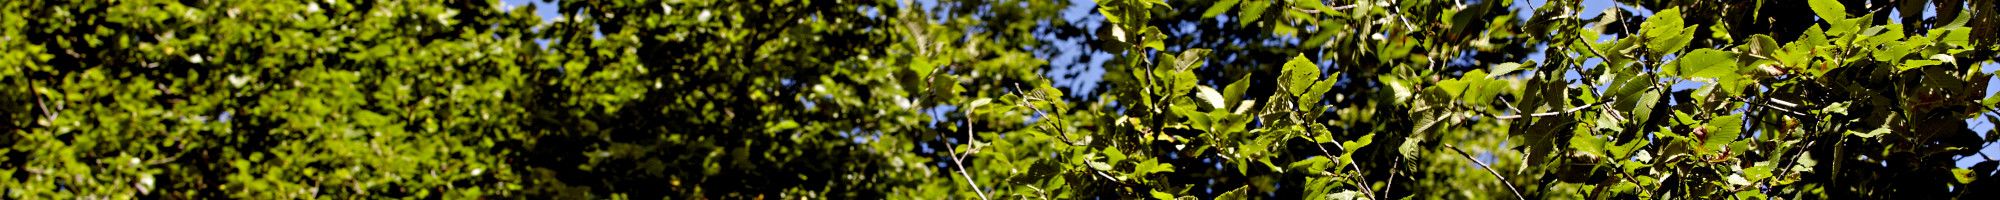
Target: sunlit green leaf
(1299,75)
(1219,8)
(1828,9)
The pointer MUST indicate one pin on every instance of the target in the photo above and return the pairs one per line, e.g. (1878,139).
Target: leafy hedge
(871,99)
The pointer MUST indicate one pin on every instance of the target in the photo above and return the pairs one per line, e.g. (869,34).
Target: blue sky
(546,10)
(1082,12)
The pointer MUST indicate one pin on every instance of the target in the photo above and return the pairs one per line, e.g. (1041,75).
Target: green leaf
(1219,8)
(1762,45)
(1454,88)
(1586,143)
(1100,166)
(1503,69)
(1737,180)
(1049,91)
(1878,132)
(1703,63)
(1483,89)
(1722,130)
(1178,81)
(1311,165)
(1964,176)
(1672,43)
(1345,195)
(978,102)
(1894,52)
(1473,88)
(1989,102)
(1244,106)
(1309,101)
(1309,4)
(1110,15)
(1234,92)
(1663,31)
(1252,10)
(1143,78)
(1624,151)
(1153,166)
(1411,148)
(1157,194)
(1642,111)
(1161,3)
(1190,59)
(1214,99)
(1401,89)
(922,65)
(1761,171)
(1236,194)
(1153,38)
(1916,63)
(1829,9)
(1427,122)
(1299,75)
(1364,141)
(1183,82)
(1114,155)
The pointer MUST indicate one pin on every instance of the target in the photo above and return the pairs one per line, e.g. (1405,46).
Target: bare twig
(1390,188)
(1545,114)
(1781,106)
(1509,104)
(1489,169)
(957,160)
(960,162)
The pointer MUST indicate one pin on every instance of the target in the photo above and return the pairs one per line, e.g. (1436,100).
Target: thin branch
(157,161)
(1357,169)
(960,162)
(956,160)
(1788,167)
(50,114)
(1509,104)
(1615,115)
(1545,114)
(1057,119)
(1767,103)
(1489,169)
(1315,11)
(1629,177)
(1392,175)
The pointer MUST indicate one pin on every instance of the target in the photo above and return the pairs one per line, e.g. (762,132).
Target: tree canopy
(999,99)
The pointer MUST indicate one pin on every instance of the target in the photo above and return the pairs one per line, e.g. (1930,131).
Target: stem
(1489,169)
(49,114)
(1545,114)
(1027,100)
(960,163)
(1357,169)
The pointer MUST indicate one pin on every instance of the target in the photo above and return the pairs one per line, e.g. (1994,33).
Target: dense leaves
(874,99)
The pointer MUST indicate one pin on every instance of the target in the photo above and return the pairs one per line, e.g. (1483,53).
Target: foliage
(861,99)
